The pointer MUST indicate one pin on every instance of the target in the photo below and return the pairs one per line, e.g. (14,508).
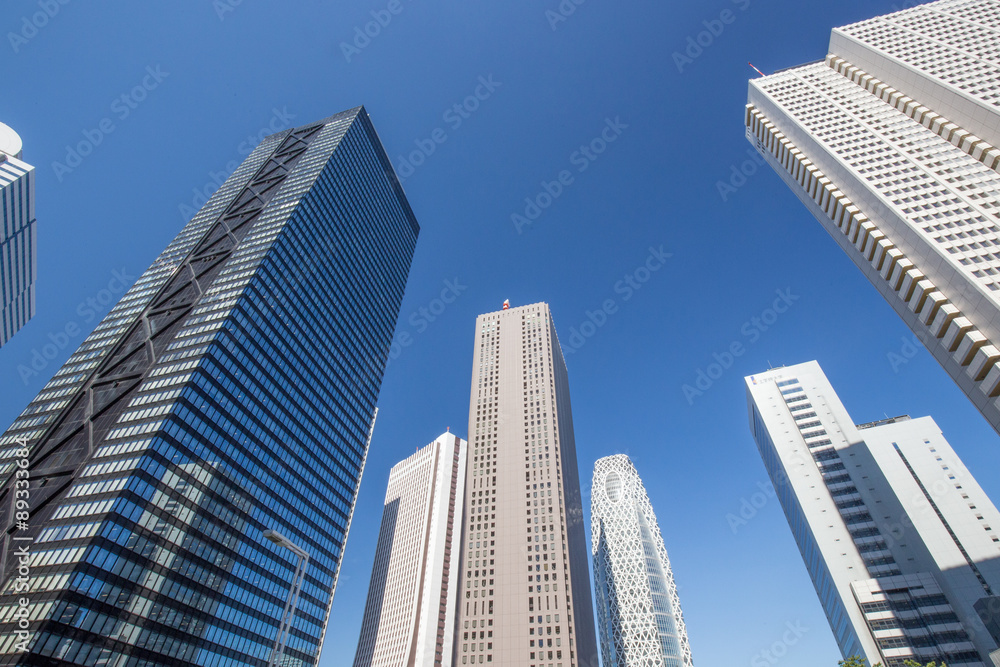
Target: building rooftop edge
(882,422)
(10,141)
(512,308)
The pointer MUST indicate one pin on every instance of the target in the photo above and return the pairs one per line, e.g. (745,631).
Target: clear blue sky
(552,90)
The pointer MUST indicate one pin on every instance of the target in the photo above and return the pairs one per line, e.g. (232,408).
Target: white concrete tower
(892,144)
(899,539)
(410,612)
(638,611)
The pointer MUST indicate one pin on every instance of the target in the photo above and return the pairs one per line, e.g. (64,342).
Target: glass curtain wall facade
(230,392)
(18,236)
(638,611)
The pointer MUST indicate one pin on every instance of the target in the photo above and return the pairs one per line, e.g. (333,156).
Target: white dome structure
(10,141)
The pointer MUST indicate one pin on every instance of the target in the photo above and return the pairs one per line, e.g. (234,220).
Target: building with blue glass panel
(182,489)
(18,236)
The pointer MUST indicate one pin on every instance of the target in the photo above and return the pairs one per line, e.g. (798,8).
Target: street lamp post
(293,594)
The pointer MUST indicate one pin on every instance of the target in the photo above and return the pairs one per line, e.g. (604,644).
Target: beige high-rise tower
(524,592)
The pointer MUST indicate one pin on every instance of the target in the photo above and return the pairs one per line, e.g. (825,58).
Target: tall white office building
(891,143)
(899,539)
(638,610)
(18,236)
(409,616)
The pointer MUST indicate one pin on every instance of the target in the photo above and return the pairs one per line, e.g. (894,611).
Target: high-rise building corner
(893,144)
(18,236)
(409,618)
(899,539)
(181,491)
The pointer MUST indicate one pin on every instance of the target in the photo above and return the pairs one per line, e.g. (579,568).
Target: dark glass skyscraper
(231,392)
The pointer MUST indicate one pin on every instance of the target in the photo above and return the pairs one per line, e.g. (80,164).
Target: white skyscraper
(899,539)
(891,143)
(638,611)
(410,613)
(18,246)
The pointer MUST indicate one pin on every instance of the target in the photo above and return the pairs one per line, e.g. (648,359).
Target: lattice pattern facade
(638,609)
(946,54)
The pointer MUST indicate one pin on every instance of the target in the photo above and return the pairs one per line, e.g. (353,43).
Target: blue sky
(212,74)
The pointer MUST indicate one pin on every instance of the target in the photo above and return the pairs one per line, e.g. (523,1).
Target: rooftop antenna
(755,69)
